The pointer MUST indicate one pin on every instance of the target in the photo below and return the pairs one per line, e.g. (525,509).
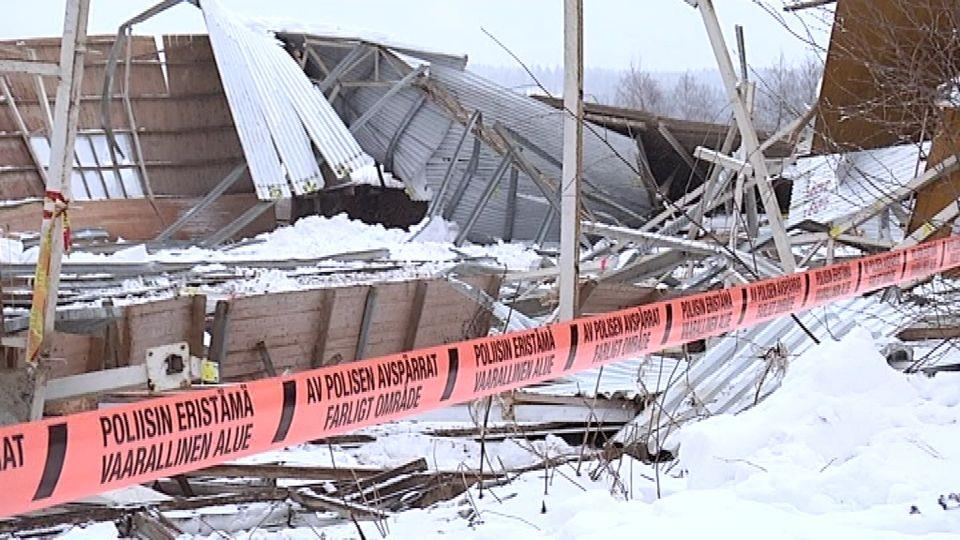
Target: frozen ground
(847,448)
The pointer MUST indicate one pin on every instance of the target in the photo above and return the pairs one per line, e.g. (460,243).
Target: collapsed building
(190,147)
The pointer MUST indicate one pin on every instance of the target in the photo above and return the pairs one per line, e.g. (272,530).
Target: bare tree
(641,90)
(697,99)
(786,90)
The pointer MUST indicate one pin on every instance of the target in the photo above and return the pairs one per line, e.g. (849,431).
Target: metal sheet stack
(280,116)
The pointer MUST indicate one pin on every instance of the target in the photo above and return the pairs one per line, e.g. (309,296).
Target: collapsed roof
(416,108)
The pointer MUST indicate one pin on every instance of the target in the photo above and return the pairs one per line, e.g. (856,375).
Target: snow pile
(313,237)
(846,434)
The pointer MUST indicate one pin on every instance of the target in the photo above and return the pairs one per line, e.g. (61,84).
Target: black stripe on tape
(806,292)
(454,355)
(943,256)
(669,323)
(289,404)
(743,305)
(903,269)
(574,341)
(56,451)
(856,287)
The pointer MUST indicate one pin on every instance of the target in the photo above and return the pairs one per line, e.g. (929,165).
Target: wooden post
(748,135)
(198,321)
(572,157)
(218,337)
(416,311)
(65,118)
(327,301)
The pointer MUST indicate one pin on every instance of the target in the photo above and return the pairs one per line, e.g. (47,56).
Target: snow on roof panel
(829,187)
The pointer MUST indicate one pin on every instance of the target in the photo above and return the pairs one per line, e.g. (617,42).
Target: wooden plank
(134,219)
(270,470)
(934,197)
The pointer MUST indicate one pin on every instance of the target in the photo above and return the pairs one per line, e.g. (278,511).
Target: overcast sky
(662,34)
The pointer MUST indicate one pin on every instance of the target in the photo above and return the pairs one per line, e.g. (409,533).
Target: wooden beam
(24,135)
(219,335)
(46,69)
(416,311)
(265,358)
(327,303)
(369,306)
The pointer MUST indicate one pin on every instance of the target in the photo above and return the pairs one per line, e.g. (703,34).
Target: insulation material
(280,116)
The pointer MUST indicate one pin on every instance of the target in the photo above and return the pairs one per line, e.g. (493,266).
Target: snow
(311,238)
(845,449)
(93,531)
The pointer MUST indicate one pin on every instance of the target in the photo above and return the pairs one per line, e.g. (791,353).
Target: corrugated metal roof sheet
(829,187)
(279,114)
(426,146)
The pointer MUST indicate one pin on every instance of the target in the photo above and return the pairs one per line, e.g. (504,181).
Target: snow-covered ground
(846,448)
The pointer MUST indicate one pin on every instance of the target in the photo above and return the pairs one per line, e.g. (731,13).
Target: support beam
(598,195)
(238,224)
(416,312)
(677,147)
(719,159)
(748,135)
(369,305)
(709,190)
(30,67)
(945,167)
(373,109)
(134,133)
(544,228)
(24,134)
(484,198)
(327,302)
(790,130)
(208,199)
(764,267)
(66,117)
(941,219)
(343,67)
(46,116)
(511,216)
(572,158)
(436,204)
(447,210)
(401,129)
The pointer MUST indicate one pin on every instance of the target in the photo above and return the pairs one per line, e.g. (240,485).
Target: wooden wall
(886,59)
(185,125)
(305,329)
(125,341)
(936,196)
(138,220)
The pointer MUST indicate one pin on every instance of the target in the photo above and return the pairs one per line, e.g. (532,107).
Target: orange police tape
(64,459)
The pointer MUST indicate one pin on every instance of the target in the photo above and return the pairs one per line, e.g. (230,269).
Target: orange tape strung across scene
(63,459)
